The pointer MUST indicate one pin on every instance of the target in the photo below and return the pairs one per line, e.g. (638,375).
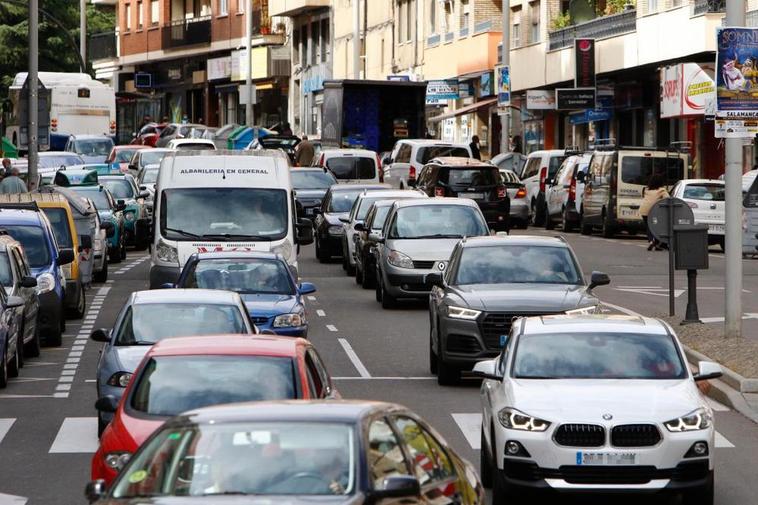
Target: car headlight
(45,283)
(516,420)
(289,320)
(117,460)
(699,419)
(584,311)
(399,259)
(129,216)
(119,379)
(167,253)
(462,313)
(336,230)
(285,249)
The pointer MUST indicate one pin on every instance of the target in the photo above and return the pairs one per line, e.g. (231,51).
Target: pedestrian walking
(654,192)
(12,183)
(474,146)
(304,152)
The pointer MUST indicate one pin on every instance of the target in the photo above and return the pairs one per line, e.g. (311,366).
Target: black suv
(469,178)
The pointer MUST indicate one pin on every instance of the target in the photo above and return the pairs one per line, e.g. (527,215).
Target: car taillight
(380,168)
(412,173)
(521,193)
(54,124)
(438,191)
(113,126)
(501,192)
(572,189)
(543,179)
(321,161)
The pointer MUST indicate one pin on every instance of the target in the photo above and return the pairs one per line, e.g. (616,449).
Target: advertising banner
(736,82)
(575,98)
(503,77)
(441,90)
(219,68)
(584,63)
(687,89)
(540,99)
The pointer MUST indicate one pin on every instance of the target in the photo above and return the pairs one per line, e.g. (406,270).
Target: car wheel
(378,286)
(608,230)
(114,254)
(567,224)
(344,257)
(432,355)
(320,253)
(78,312)
(350,269)
(485,462)
(13,368)
(20,348)
(585,227)
(102,275)
(502,492)
(549,223)
(123,249)
(32,348)
(3,368)
(447,375)
(369,276)
(55,339)
(703,495)
(358,274)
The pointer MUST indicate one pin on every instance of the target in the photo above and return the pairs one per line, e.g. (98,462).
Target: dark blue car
(265,282)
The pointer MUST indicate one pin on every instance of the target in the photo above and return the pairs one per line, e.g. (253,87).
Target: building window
(128,11)
(140,15)
(325,42)
(402,21)
(652,5)
(516,28)
(223,7)
(409,23)
(534,22)
(154,12)
(315,42)
(433,16)
(296,46)
(241,6)
(465,11)
(304,46)
(448,15)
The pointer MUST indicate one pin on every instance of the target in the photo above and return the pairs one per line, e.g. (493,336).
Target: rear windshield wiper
(182,232)
(234,236)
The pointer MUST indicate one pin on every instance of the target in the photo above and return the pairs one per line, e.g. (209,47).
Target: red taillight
(380,168)
(412,173)
(521,193)
(501,192)
(321,161)
(438,191)
(543,178)
(572,189)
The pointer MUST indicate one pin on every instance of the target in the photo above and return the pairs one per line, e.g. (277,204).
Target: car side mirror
(143,194)
(435,279)
(304,231)
(65,256)
(580,176)
(14,301)
(359,227)
(168,285)
(28,282)
(487,370)
(100,335)
(375,236)
(85,242)
(387,160)
(107,403)
(306,288)
(95,490)
(707,370)
(397,486)
(598,279)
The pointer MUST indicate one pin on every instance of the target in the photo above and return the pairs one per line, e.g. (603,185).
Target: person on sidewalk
(655,191)
(12,183)
(474,146)
(304,152)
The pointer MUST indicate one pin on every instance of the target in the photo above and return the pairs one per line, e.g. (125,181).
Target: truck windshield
(224,214)
(639,169)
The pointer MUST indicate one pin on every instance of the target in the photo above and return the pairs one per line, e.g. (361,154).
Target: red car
(121,155)
(148,134)
(185,373)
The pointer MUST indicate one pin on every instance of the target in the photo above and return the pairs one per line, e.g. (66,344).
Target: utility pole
(83,29)
(735,17)
(505,118)
(33,81)
(249,119)
(356,39)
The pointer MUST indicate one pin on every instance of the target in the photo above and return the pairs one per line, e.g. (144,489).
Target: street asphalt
(48,430)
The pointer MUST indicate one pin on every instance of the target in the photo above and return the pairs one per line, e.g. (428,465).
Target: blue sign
(398,77)
(590,116)
(503,75)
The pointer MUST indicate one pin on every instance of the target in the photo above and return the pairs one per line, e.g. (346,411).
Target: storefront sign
(485,85)
(584,63)
(575,98)
(734,129)
(442,90)
(398,77)
(590,116)
(503,78)
(219,68)
(737,66)
(239,66)
(687,89)
(542,99)
(465,89)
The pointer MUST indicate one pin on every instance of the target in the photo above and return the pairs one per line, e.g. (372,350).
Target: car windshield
(228,213)
(554,164)
(638,169)
(243,275)
(365,205)
(437,221)
(170,385)
(33,241)
(150,175)
(352,167)
(6,275)
(59,220)
(308,179)
(517,264)
(97,194)
(593,355)
(342,201)
(429,153)
(712,192)
(380,217)
(150,157)
(120,188)
(486,176)
(198,146)
(241,458)
(124,155)
(94,147)
(59,160)
(146,323)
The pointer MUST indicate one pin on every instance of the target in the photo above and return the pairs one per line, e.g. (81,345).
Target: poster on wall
(441,91)
(736,82)
(503,77)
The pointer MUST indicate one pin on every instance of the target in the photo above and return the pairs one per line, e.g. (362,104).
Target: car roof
(352,187)
(204,296)
(191,141)
(336,411)
(416,202)
(528,240)
(159,150)
(89,136)
(130,147)
(237,255)
(45,154)
(457,161)
(19,216)
(549,152)
(389,193)
(702,181)
(429,142)
(600,323)
(309,169)
(251,345)
(365,153)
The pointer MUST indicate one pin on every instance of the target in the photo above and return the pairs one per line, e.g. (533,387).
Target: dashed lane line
(331,327)
(311,298)
(357,363)
(321,313)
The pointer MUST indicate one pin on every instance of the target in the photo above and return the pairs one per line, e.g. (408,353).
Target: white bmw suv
(595,404)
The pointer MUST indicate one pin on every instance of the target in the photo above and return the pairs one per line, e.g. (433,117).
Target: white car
(352,165)
(706,199)
(410,155)
(541,167)
(595,404)
(564,195)
(191,145)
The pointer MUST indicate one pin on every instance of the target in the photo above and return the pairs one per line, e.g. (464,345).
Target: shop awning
(487,102)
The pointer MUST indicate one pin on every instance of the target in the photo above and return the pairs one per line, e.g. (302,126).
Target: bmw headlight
(516,420)
(699,419)
(285,249)
(462,313)
(336,230)
(45,283)
(166,253)
(399,259)
(119,379)
(584,311)
(291,320)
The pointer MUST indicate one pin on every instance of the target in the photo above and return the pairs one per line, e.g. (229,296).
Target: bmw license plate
(473,196)
(606,458)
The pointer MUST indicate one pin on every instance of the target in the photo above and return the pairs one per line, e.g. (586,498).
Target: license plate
(473,196)
(606,458)
(716,228)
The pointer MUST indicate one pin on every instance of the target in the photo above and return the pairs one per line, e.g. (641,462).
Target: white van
(223,201)
(352,165)
(409,156)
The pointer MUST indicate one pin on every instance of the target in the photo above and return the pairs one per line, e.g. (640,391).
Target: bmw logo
(607,417)
(441,266)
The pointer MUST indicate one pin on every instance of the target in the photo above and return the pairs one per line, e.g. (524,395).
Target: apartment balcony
(700,7)
(103,46)
(187,32)
(599,28)
(292,8)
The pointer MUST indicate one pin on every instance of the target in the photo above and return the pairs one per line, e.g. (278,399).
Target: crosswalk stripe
(76,435)
(9,499)
(722,442)
(5,426)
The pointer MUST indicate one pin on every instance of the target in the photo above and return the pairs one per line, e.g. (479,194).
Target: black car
(294,452)
(491,281)
(310,184)
(337,203)
(468,178)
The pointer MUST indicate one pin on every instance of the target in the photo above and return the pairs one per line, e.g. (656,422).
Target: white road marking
(32,379)
(39,363)
(362,371)
(9,499)
(722,442)
(331,327)
(312,298)
(321,313)
(103,291)
(372,378)
(663,292)
(628,312)
(471,426)
(5,396)
(5,427)
(76,435)
(90,380)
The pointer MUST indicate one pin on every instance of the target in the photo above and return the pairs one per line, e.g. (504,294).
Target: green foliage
(561,21)
(614,6)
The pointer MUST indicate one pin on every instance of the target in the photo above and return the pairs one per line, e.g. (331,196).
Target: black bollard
(691,315)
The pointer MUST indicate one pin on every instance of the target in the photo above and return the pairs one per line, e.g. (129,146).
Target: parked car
(145,157)
(471,179)
(566,191)
(491,281)
(519,206)
(17,280)
(148,317)
(120,156)
(221,136)
(191,144)
(11,347)
(146,181)
(566,409)
(410,155)
(514,162)
(540,168)
(310,185)
(352,165)
(92,148)
(213,370)
(51,161)
(100,247)
(706,199)
(359,452)
(174,131)
(124,189)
